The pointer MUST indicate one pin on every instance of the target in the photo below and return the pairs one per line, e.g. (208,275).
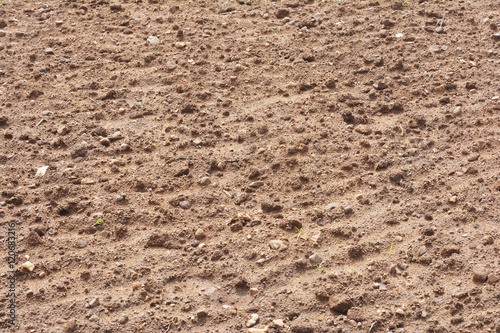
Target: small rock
(256,184)
(258,330)
(480,274)
(82,244)
(315,259)
(363,129)
(200,234)
(277,244)
(41,171)
(123,319)
(254,318)
(94,302)
(184,204)
(421,251)
(496,36)
(180,45)
(254,291)
(279,322)
(492,278)
(94,318)
(205,181)
(70,326)
(49,50)
(124,147)
(119,197)
(153,40)
(105,142)
(453,199)
(400,312)
(202,314)
(115,136)
(439,30)
(87,181)
(28,266)
(62,130)
(171,65)
(435,48)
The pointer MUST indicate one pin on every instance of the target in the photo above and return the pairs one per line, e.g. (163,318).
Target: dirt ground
(251,166)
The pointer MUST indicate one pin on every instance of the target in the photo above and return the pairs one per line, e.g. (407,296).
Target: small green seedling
(154,144)
(318,267)
(13,51)
(99,222)
(390,250)
(433,132)
(473,221)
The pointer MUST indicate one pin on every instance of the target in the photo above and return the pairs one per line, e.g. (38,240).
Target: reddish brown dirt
(365,133)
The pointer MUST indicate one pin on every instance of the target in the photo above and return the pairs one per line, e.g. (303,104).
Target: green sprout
(13,50)
(318,267)
(390,250)
(299,230)
(473,221)
(433,132)
(154,144)
(99,222)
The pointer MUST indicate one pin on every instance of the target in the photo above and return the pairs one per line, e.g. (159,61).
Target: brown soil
(329,166)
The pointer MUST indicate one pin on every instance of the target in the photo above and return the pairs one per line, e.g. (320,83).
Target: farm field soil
(250,166)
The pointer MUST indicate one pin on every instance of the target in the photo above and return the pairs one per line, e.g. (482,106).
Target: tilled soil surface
(247,166)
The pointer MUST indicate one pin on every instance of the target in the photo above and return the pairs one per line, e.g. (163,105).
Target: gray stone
(315,259)
(184,204)
(153,40)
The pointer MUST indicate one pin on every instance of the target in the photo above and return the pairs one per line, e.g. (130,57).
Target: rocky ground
(251,166)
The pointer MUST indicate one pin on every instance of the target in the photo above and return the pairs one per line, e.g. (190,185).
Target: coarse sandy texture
(327,166)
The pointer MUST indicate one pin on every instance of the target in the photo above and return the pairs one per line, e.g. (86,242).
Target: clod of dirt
(270,207)
(282,13)
(340,303)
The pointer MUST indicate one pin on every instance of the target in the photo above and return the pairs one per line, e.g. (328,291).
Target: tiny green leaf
(99,222)
(390,250)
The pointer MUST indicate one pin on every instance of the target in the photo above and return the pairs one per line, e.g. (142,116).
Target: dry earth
(250,166)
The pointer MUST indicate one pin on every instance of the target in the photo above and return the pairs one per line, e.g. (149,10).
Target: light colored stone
(277,244)
(153,40)
(254,318)
(41,171)
(29,266)
(205,181)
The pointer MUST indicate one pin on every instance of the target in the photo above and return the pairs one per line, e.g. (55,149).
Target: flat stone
(493,278)
(184,204)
